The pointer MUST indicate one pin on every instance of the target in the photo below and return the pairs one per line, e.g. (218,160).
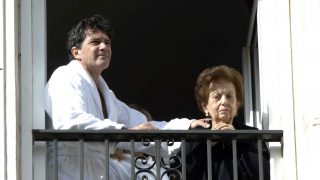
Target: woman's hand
(205,123)
(222,126)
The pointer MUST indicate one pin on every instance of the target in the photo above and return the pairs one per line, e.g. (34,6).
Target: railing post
(106,161)
(81,159)
(235,159)
(260,159)
(55,159)
(183,156)
(158,158)
(209,159)
(133,168)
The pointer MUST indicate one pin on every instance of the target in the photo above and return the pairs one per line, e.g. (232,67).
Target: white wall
(2,96)
(305,30)
(289,36)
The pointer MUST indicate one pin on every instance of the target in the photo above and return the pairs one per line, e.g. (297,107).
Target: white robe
(73,102)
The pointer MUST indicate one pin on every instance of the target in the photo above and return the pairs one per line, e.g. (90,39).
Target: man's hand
(205,123)
(144,126)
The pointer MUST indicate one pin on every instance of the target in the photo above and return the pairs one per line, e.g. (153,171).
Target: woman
(219,95)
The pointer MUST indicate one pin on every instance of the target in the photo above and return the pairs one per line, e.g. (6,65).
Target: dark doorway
(159,47)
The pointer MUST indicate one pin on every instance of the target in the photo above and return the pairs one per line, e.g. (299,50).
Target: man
(77,97)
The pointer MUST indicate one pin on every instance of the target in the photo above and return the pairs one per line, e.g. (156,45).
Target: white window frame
(33,78)
(276,83)
(253,115)
(9,99)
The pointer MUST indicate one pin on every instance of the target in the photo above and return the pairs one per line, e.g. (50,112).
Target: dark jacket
(222,168)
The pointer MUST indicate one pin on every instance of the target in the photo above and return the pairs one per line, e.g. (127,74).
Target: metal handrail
(177,135)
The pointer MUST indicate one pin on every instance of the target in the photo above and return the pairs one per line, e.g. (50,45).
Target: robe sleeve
(174,124)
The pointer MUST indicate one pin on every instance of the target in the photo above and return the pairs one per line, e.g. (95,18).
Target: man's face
(95,52)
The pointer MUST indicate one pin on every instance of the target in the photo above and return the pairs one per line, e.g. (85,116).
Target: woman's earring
(207,114)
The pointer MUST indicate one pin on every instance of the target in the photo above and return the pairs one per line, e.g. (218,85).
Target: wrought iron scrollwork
(170,166)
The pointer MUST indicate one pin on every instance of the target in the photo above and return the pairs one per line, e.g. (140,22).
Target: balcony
(154,138)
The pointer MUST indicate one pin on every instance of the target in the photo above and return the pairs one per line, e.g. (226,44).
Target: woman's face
(222,102)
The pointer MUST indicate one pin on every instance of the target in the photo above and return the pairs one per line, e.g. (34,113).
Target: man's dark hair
(78,33)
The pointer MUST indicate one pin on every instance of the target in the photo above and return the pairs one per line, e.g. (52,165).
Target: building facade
(288,54)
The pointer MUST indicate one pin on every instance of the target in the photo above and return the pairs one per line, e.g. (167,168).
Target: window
(159,47)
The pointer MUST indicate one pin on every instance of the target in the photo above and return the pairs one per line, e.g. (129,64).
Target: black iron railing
(157,136)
